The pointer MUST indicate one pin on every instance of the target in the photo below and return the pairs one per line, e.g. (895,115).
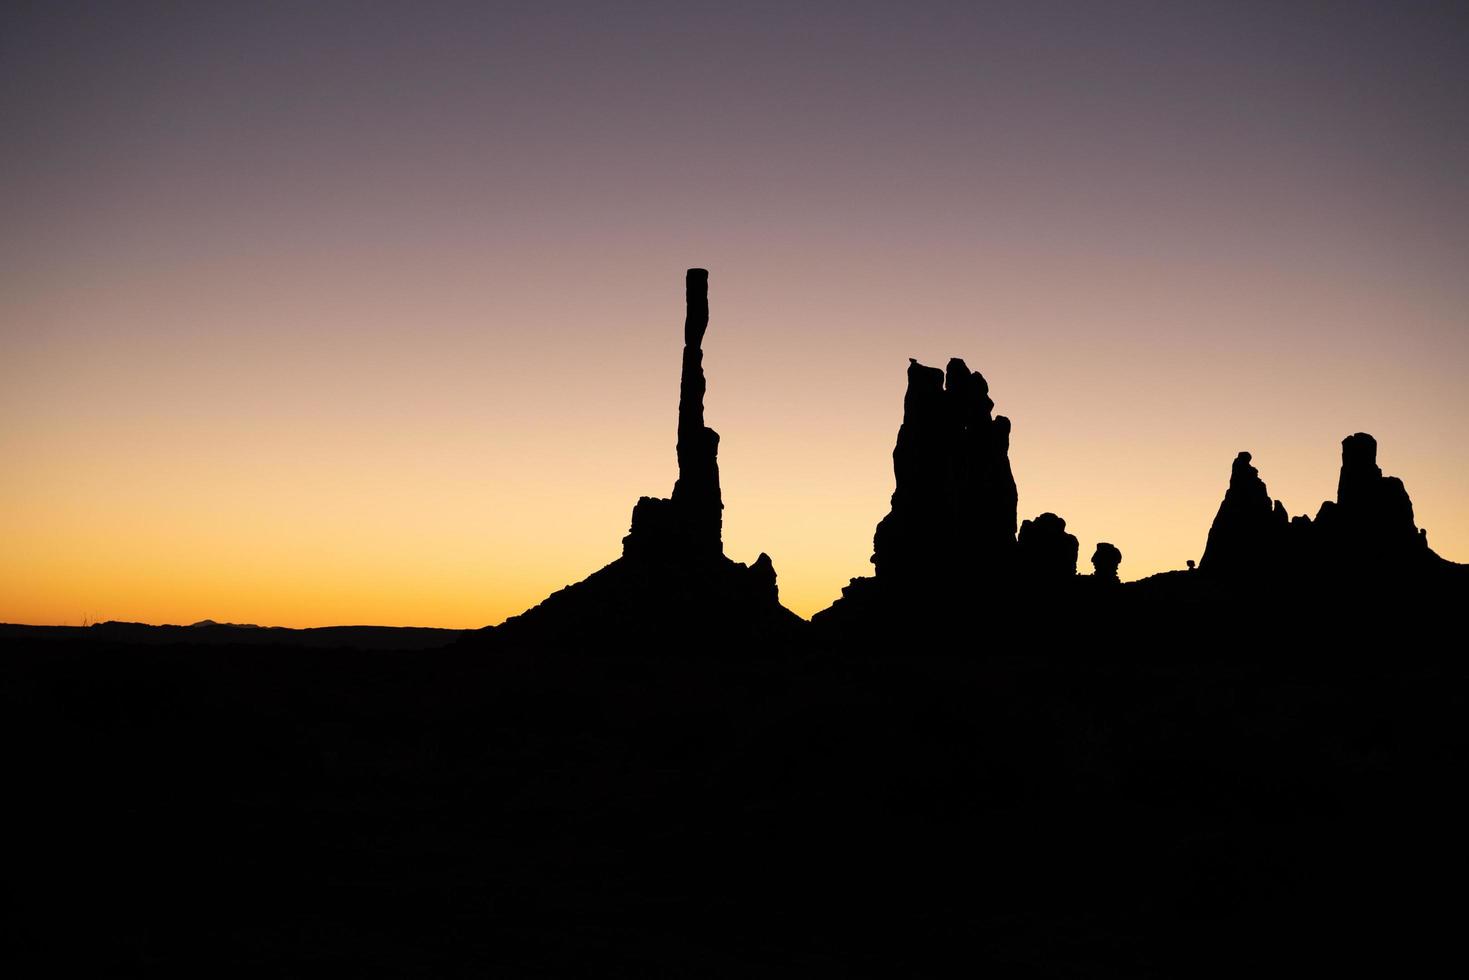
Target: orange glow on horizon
(314,320)
(459,481)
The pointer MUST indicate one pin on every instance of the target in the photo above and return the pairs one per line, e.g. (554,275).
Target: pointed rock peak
(1244,478)
(1242,472)
(762,572)
(1245,530)
(969,391)
(925,388)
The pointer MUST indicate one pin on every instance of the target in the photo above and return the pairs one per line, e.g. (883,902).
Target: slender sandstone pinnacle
(697,488)
(673,590)
(689,522)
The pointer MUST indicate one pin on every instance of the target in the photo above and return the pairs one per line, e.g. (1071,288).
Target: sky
(330,313)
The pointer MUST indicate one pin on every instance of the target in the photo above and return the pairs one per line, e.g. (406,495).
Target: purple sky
(330,312)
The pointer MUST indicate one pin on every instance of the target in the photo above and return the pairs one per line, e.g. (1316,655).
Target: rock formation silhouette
(1046,553)
(951,527)
(1249,530)
(948,554)
(1105,561)
(1370,529)
(688,523)
(953,507)
(673,588)
(1367,533)
(948,544)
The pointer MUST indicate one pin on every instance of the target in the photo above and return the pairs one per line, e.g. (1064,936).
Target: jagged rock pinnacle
(1248,528)
(697,487)
(689,523)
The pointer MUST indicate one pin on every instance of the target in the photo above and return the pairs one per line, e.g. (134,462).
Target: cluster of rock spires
(1367,532)
(950,540)
(950,537)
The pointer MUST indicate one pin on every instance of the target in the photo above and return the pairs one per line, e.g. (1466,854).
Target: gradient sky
(327,312)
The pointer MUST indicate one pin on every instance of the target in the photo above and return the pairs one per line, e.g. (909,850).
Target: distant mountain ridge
(212,633)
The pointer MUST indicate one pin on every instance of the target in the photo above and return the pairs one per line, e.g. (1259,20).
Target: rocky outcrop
(948,539)
(1370,528)
(1367,532)
(1105,562)
(1249,529)
(952,517)
(1045,553)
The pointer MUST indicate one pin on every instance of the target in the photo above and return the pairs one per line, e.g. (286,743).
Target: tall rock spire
(673,590)
(689,524)
(696,492)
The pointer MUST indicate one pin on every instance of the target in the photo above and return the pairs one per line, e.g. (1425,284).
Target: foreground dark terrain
(1078,798)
